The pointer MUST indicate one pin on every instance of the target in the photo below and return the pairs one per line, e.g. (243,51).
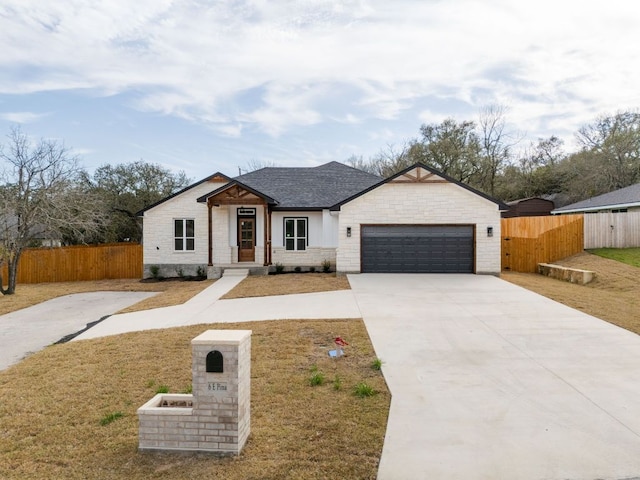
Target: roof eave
(596,209)
(501,205)
(232,183)
(173,195)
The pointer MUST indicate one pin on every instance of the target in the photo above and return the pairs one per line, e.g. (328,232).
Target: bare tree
(496,144)
(40,198)
(254,164)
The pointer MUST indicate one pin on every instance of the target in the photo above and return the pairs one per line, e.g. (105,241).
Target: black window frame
(295,237)
(186,240)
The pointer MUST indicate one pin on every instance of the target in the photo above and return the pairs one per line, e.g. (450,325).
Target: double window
(295,234)
(184,234)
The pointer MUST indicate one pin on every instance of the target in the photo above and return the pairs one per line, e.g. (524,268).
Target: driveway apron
(491,381)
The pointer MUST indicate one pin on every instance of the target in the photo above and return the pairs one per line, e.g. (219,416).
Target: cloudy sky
(205,85)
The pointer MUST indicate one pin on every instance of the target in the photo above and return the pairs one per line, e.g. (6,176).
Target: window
(295,234)
(184,235)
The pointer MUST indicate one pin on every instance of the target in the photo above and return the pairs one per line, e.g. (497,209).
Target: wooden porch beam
(210,233)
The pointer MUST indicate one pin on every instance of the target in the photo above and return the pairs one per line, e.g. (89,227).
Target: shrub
(312,269)
(326,266)
(155,271)
(201,272)
(279,268)
(298,269)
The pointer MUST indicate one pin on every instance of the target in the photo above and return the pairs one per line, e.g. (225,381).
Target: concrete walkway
(491,381)
(206,307)
(31,329)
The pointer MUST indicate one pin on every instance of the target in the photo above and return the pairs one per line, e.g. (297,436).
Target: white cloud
(554,63)
(22,117)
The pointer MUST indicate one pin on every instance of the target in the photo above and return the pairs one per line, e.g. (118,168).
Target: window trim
(295,231)
(185,238)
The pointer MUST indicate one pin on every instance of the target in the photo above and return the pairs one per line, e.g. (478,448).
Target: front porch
(217,271)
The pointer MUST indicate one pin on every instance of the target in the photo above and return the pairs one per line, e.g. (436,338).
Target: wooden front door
(246,239)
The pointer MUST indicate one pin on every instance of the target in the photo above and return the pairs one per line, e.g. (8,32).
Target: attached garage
(419,221)
(417,248)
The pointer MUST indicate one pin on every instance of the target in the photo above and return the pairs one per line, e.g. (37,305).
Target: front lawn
(53,406)
(630,256)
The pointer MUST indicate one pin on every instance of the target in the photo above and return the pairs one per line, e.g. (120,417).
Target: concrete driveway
(31,329)
(491,381)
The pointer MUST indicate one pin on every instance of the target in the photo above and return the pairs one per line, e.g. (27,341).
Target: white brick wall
(411,203)
(389,204)
(158,229)
(311,257)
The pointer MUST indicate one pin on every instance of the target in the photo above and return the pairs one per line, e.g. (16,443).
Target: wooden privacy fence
(612,230)
(77,263)
(527,241)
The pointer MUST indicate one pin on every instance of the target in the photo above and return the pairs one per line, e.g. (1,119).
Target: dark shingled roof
(628,196)
(310,187)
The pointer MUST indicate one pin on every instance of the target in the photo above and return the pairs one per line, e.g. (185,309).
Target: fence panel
(612,230)
(527,241)
(78,263)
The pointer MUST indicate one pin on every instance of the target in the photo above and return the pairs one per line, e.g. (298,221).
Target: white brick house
(418,220)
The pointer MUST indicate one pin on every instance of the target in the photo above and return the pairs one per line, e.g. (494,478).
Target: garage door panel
(417,249)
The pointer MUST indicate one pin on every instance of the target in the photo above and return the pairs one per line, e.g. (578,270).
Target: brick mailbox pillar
(216,417)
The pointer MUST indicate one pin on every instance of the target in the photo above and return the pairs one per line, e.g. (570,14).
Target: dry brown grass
(175,292)
(263,286)
(51,405)
(612,296)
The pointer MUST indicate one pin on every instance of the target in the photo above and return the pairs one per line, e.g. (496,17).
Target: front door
(246,239)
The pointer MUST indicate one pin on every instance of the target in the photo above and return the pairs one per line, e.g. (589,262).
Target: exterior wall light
(348,231)
(489,231)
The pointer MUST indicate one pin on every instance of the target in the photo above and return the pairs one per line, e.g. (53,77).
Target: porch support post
(267,229)
(210,227)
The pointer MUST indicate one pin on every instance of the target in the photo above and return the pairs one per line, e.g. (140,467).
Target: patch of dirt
(263,286)
(613,296)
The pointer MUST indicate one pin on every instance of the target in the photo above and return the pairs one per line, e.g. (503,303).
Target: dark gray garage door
(417,249)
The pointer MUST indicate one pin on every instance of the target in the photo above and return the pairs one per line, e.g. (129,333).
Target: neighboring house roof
(623,198)
(528,199)
(528,207)
(206,179)
(501,205)
(305,188)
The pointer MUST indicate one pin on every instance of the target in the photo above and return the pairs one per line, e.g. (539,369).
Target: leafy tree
(40,198)
(536,171)
(128,188)
(612,145)
(452,148)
